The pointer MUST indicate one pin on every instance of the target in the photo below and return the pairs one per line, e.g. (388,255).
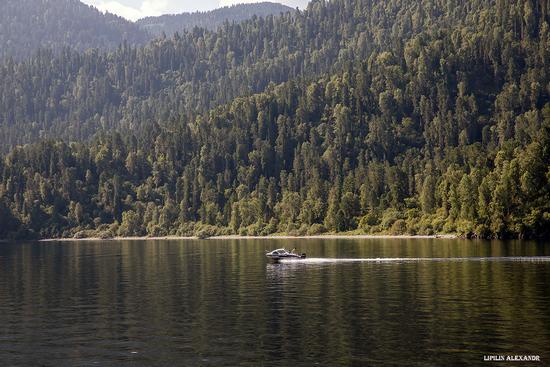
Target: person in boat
(293,250)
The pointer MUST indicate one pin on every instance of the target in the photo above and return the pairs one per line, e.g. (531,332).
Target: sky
(136,9)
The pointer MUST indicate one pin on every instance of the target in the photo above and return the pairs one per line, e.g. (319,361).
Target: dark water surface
(220,303)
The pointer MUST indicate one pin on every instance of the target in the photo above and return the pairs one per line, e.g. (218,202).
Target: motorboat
(283,254)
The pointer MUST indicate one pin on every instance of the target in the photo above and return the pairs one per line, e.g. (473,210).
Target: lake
(399,302)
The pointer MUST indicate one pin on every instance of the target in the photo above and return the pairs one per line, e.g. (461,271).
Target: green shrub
(302,231)
(482,231)
(293,233)
(449,227)
(105,235)
(368,220)
(186,229)
(79,235)
(316,229)
(224,231)
(271,227)
(291,228)
(156,231)
(389,217)
(399,227)
(204,231)
(203,234)
(465,228)
(438,221)
(412,228)
(255,229)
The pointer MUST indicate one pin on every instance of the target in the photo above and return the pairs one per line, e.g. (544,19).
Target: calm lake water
(221,303)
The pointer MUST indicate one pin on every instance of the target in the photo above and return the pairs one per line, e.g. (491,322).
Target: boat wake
(418,259)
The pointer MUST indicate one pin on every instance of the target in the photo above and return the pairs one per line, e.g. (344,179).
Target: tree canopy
(27,25)
(174,23)
(389,116)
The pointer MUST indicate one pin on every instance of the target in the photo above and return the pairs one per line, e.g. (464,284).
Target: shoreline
(237,237)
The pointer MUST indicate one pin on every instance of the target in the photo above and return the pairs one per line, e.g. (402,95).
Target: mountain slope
(375,116)
(170,24)
(74,95)
(26,25)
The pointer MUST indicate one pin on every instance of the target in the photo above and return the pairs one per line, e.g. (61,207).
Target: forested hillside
(170,24)
(27,25)
(373,116)
(73,95)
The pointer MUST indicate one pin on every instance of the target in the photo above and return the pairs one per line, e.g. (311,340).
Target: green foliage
(27,25)
(316,229)
(439,123)
(399,227)
(131,224)
(9,224)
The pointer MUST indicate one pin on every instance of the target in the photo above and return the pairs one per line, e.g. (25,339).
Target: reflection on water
(221,303)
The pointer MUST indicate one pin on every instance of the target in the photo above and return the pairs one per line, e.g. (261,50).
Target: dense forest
(26,25)
(387,116)
(73,95)
(177,23)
